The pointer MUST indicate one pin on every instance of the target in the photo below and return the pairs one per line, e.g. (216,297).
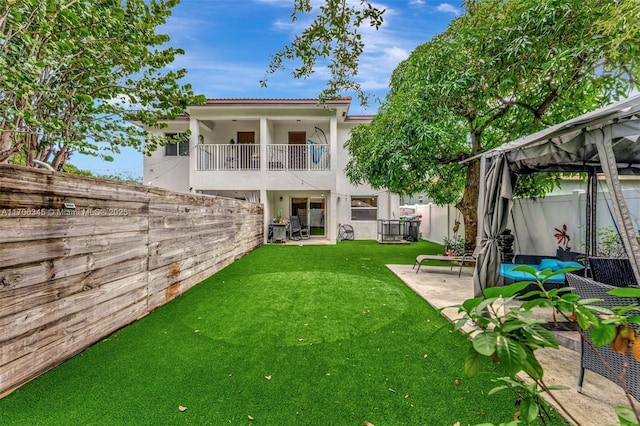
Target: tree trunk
(60,159)
(32,143)
(5,144)
(468,206)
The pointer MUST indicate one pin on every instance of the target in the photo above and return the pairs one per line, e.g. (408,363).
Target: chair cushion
(506,270)
(556,265)
(569,264)
(548,264)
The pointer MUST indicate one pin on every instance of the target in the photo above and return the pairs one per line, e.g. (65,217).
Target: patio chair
(613,271)
(467,258)
(587,288)
(270,233)
(297,231)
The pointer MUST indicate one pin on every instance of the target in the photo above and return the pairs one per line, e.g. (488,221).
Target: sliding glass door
(311,212)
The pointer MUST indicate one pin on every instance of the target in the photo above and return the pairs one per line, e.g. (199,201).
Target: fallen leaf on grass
(366,423)
(182,408)
(456,424)
(457,382)
(250,417)
(268,377)
(406,396)
(425,355)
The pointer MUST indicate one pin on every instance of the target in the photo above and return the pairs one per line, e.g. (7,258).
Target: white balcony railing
(225,157)
(228,157)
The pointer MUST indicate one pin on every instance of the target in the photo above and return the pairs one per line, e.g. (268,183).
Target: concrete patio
(441,287)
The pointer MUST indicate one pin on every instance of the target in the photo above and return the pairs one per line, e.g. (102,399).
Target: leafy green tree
(75,73)
(333,40)
(71,169)
(503,70)
(124,177)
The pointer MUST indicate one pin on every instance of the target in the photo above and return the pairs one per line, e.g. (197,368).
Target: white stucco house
(287,154)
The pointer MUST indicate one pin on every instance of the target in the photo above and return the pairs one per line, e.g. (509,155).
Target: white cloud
(217,68)
(447,8)
(123,101)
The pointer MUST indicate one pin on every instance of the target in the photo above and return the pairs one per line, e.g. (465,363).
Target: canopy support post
(603,142)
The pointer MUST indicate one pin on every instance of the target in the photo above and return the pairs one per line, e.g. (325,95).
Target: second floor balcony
(246,157)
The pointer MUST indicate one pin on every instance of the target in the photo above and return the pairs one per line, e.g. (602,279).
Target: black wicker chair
(587,288)
(613,271)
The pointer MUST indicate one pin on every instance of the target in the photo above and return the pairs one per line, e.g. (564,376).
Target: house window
(364,208)
(175,148)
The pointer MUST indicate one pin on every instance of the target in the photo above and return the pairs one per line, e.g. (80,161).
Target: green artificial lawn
(287,335)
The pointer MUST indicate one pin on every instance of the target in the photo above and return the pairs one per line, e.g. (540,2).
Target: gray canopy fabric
(606,141)
(498,202)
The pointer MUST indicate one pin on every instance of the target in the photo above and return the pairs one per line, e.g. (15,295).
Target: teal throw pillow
(568,264)
(552,264)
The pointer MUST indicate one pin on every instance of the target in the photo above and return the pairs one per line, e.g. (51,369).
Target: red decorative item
(562,237)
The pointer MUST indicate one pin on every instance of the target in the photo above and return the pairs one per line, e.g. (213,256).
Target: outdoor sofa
(539,263)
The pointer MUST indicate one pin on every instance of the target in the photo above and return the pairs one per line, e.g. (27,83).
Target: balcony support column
(194,127)
(265,138)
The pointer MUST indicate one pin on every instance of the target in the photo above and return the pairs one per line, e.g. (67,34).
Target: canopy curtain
(602,138)
(498,198)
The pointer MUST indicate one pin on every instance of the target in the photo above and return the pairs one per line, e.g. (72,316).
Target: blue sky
(228,45)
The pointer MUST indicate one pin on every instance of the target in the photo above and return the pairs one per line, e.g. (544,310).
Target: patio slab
(441,287)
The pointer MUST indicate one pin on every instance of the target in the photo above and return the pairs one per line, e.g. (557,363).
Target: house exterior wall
(388,204)
(170,172)
(533,222)
(272,170)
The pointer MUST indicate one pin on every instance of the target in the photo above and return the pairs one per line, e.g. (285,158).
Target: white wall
(170,172)
(281,131)
(224,131)
(388,204)
(533,221)
(437,222)
(173,172)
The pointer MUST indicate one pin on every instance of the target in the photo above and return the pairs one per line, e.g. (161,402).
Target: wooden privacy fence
(81,257)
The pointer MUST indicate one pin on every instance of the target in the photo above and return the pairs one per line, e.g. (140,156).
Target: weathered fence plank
(44,228)
(81,257)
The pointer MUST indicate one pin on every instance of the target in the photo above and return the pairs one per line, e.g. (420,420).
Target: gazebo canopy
(570,146)
(605,141)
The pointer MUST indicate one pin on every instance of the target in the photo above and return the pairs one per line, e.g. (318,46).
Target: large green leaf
(511,354)
(472,363)
(485,343)
(532,367)
(506,291)
(469,304)
(626,416)
(625,292)
(603,334)
(529,409)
